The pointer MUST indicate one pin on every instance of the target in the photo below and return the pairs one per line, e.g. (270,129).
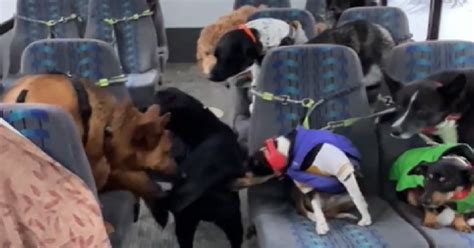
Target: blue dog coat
(333,144)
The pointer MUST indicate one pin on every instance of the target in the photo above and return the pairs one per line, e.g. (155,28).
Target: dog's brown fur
(133,141)
(211,34)
(430,216)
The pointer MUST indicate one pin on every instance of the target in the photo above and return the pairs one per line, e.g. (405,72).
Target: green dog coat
(410,159)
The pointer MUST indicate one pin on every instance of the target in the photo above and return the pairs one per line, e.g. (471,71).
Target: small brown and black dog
(120,142)
(447,182)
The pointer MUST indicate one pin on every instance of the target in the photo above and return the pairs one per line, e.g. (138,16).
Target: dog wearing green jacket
(440,179)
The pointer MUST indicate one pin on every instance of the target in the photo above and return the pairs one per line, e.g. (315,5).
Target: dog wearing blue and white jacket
(322,165)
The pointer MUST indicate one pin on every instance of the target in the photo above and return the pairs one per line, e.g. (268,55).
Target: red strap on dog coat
(276,160)
(462,194)
(248,32)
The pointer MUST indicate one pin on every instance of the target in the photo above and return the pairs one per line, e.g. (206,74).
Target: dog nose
(396,133)
(426,201)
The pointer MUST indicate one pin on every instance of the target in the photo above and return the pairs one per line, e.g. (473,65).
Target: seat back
(268,3)
(30,25)
(81,7)
(134,37)
(391,18)
(54,131)
(315,71)
(90,59)
(417,60)
(289,14)
(411,61)
(317,9)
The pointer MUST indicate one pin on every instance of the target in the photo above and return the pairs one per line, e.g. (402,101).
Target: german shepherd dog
(120,142)
(214,159)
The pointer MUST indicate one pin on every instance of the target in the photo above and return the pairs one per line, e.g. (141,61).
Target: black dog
(214,159)
(438,106)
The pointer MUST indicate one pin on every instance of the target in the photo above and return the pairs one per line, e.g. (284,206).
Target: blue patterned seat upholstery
(90,59)
(391,18)
(317,71)
(289,14)
(317,9)
(268,3)
(30,26)
(134,39)
(412,61)
(54,131)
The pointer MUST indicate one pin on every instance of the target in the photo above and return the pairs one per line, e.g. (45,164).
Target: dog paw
(365,221)
(322,228)
(463,228)
(433,225)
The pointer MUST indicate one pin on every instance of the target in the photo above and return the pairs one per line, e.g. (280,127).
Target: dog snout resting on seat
(321,164)
(214,159)
(438,178)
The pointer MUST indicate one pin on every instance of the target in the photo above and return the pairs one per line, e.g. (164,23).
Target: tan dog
(121,143)
(211,34)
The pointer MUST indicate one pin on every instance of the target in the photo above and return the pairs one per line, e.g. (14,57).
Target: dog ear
(453,90)
(393,85)
(148,128)
(419,170)
(165,119)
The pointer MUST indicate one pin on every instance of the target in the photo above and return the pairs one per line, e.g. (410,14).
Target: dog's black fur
(336,7)
(434,103)
(214,159)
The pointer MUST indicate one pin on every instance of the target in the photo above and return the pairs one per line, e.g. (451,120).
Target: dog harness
(327,160)
(271,31)
(410,159)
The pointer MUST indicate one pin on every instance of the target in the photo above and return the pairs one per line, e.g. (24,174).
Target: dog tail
(346,216)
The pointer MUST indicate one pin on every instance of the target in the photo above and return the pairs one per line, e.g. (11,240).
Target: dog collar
(248,32)
(275,159)
(460,195)
(449,118)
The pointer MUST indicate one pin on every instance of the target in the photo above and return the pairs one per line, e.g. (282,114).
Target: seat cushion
(142,86)
(118,210)
(274,216)
(444,237)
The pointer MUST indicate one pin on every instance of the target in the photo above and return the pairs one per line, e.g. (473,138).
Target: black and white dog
(439,106)
(323,167)
(237,51)
(243,49)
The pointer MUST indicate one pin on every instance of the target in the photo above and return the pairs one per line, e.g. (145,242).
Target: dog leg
(321,223)
(253,85)
(430,219)
(350,183)
(233,230)
(460,224)
(185,230)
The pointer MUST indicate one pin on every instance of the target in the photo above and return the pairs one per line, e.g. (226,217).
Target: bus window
(457,17)
(7,9)
(418,13)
